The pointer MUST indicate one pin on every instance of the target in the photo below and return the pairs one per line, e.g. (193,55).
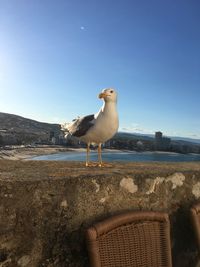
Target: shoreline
(28,152)
(23,152)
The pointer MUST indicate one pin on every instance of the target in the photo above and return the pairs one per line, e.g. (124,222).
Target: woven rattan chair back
(195,215)
(133,239)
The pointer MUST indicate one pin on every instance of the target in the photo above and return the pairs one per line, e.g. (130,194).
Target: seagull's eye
(111,91)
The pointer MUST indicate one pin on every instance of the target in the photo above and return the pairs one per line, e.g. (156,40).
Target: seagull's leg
(101,163)
(99,155)
(88,155)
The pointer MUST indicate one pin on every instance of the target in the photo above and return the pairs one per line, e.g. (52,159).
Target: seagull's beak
(103,95)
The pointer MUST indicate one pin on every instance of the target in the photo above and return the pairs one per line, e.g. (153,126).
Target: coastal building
(162,143)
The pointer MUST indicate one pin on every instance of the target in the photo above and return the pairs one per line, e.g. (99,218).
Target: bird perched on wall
(97,128)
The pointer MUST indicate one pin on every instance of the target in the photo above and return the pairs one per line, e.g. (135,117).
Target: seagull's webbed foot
(91,164)
(96,164)
(105,165)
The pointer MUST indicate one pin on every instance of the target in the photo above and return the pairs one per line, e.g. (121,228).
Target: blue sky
(56,56)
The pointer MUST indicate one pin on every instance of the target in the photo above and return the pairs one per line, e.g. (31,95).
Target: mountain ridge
(151,137)
(12,124)
(17,129)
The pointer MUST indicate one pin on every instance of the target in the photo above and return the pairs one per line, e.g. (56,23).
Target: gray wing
(81,125)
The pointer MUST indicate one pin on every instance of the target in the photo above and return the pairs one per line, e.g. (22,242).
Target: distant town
(128,141)
(16,130)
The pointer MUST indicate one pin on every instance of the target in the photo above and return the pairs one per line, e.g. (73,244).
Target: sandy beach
(27,152)
(23,152)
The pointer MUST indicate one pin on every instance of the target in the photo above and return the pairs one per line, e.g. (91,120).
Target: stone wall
(45,207)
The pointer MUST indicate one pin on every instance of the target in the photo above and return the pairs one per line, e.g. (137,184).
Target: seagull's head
(108,95)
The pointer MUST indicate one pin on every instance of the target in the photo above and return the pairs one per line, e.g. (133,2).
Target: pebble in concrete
(196,190)
(177,179)
(97,185)
(128,185)
(24,261)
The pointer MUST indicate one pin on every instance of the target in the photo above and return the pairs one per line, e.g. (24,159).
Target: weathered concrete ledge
(45,207)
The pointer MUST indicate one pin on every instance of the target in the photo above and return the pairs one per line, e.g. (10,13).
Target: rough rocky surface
(45,207)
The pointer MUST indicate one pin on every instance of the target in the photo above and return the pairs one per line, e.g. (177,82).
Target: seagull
(97,128)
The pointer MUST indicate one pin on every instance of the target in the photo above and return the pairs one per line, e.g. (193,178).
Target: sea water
(122,156)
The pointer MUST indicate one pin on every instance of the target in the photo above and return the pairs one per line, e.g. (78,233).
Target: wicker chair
(195,215)
(133,239)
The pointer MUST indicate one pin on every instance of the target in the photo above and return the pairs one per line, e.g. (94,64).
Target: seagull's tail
(65,127)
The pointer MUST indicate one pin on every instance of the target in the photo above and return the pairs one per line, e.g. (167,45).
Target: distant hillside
(185,139)
(150,137)
(133,136)
(19,130)
(16,130)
